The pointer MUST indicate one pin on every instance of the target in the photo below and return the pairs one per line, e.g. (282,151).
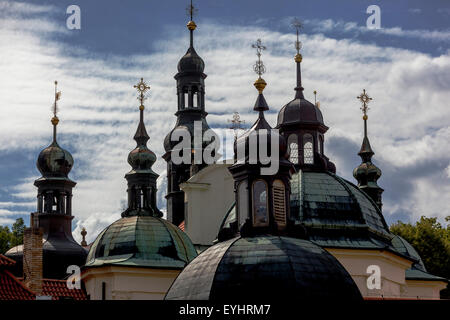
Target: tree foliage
(431,240)
(11,238)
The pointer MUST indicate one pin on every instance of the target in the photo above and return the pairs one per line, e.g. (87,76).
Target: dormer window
(293,148)
(242,202)
(308,151)
(260,204)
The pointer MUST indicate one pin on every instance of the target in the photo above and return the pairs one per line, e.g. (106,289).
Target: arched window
(293,148)
(279,203)
(308,152)
(260,205)
(242,202)
(184,98)
(194,97)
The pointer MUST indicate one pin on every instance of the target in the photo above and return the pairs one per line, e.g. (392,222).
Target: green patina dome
(142,241)
(331,212)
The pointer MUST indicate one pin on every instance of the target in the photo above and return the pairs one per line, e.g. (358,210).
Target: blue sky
(405,66)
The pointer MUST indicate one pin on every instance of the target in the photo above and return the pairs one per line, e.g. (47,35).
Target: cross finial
(365,99)
(236,123)
(191,10)
(296,23)
(259,66)
(142,88)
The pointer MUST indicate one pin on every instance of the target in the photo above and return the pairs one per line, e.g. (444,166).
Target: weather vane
(365,99)
(55,108)
(297,25)
(259,66)
(236,123)
(57,97)
(191,10)
(142,88)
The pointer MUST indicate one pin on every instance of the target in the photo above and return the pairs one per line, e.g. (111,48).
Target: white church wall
(128,283)
(208,196)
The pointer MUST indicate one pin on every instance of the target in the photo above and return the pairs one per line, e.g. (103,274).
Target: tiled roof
(58,290)
(10,287)
(6,262)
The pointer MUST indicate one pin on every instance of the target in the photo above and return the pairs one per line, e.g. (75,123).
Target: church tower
(190,115)
(367,173)
(301,123)
(54,210)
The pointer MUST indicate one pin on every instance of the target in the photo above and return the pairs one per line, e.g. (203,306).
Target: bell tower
(190,115)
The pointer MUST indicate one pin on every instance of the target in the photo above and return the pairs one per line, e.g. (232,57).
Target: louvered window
(279,203)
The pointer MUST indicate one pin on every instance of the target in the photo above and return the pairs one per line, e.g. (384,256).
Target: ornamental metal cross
(142,88)
(236,123)
(57,97)
(297,25)
(191,10)
(259,66)
(365,99)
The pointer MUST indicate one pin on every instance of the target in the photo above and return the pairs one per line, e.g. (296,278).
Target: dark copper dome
(54,161)
(299,111)
(191,62)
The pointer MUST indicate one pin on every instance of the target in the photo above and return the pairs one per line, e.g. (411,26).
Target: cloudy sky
(404,66)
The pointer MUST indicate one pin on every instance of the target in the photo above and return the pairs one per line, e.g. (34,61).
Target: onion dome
(141,241)
(54,161)
(264,267)
(191,62)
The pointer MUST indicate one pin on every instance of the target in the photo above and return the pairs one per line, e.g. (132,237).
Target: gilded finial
(365,99)
(191,11)
(259,67)
(142,88)
(298,45)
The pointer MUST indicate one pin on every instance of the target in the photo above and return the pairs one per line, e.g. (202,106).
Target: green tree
(5,239)
(432,242)
(17,232)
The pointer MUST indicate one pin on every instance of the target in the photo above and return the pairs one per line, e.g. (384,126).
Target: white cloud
(408,120)
(346,27)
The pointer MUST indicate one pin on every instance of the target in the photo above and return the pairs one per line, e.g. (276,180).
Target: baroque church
(301,232)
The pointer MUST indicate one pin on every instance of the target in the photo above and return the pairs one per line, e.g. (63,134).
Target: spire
(366,151)
(367,173)
(141,135)
(298,58)
(260,83)
(191,10)
(141,179)
(55,110)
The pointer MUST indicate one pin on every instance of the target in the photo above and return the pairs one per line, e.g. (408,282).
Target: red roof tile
(58,289)
(12,289)
(181,226)
(6,262)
